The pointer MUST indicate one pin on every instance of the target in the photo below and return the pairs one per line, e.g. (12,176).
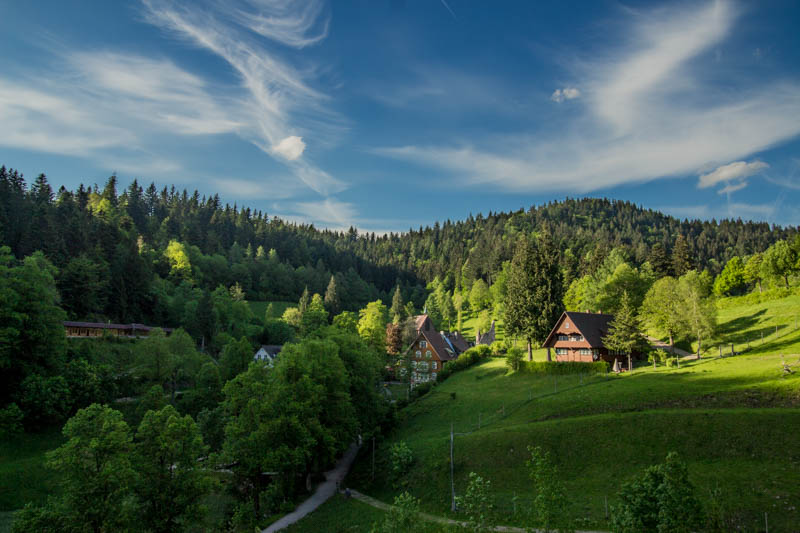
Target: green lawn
(339,515)
(259,308)
(744,324)
(23,476)
(736,421)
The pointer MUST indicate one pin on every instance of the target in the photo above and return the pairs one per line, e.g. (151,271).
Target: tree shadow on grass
(739,329)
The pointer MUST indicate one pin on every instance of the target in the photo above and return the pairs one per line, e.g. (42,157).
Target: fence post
(720,350)
(762,337)
(479,421)
(452,482)
(732,353)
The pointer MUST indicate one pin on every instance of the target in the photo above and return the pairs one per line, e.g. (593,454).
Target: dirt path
(324,491)
(369,500)
(660,345)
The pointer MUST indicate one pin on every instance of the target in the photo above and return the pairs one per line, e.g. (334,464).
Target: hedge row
(563,368)
(474,355)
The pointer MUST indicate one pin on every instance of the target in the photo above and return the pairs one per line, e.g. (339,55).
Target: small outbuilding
(268,353)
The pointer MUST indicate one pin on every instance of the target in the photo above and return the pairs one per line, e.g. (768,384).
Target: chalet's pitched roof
(593,326)
(457,341)
(419,321)
(437,342)
(271,349)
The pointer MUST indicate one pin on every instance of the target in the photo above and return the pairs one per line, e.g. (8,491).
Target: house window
(428,354)
(433,376)
(577,338)
(419,353)
(403,371)
(413,364)
(561,351)
(566,325)
(423,344)
(433,365)
(585,351)
(563,337)
(422,366)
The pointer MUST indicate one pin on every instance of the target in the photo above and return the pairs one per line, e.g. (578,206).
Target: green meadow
(734,420)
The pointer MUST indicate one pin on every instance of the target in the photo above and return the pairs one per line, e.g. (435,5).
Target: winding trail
(324,491)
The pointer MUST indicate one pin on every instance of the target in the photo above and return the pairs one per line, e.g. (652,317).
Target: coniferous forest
(138,254)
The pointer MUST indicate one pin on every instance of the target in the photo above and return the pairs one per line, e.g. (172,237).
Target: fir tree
(681,260)
(332,301)
(397,311)
(305,300)
(535,291)
(625,330)
(659,260)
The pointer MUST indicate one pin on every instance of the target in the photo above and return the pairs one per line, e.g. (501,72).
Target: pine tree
(332,301)
(304,302)
(681,260)
(535,291)
(659,260)
(397,311)
(625,330)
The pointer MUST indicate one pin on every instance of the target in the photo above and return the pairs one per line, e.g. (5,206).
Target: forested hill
(128,255)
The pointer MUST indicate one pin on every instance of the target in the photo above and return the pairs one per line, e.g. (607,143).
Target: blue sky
(394,114)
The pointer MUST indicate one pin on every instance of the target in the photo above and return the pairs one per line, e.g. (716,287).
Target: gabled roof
(457,341)
(593,326)
(271,349)
(420,320)
(437,342)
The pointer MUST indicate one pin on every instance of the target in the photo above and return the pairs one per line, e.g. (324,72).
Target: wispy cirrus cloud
(278,98)
(125,110)
(647,110)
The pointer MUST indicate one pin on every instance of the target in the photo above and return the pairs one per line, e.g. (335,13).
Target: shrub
(10,421)
(400,459)
(657,356)
(563,368)
(514,358)
(421,390)
(662,499)
(499,348)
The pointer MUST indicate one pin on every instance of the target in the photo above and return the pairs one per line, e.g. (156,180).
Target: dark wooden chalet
(579,337)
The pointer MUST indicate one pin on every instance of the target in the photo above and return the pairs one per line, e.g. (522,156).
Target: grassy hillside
(736,422)
(259,308)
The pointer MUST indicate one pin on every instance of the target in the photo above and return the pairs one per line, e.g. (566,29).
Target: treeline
(124,256)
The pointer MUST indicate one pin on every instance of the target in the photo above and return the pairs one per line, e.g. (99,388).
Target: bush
(663,499)
(421,390)
(514,358)
(657,356)
(400,459)
(10,421)
(499,348)
(563,368)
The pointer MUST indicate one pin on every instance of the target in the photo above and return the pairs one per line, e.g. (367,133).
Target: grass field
(735,421)
(23,476)
(339,515)
(259,308)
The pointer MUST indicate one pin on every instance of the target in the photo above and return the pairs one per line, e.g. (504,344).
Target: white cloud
(285,21)
(738,170)
(291,147)
(567,93)
(732,187)
(648,112)
(277,95)
(117,108)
